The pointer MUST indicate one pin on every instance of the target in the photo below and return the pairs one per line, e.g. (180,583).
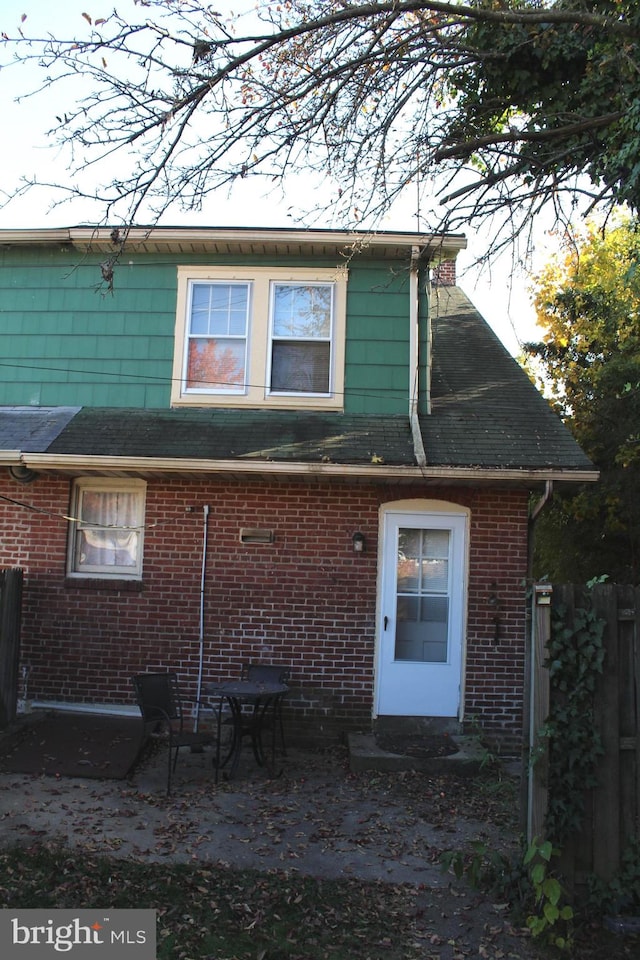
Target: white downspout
(414,356)
(205,538)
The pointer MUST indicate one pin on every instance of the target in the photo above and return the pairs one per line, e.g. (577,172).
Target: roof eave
(77,464)
(437,246)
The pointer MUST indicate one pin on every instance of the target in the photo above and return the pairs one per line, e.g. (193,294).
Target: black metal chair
(161,706)
(270,673)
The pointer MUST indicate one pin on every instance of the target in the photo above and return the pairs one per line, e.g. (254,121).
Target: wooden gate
(10,610)
(612,808)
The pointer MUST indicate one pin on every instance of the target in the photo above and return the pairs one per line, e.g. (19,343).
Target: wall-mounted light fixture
(358,542)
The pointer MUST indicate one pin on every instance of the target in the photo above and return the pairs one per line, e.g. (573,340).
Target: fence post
(10,610)
(606,794)
(539,700)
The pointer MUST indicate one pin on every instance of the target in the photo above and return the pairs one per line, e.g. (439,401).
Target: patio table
(262,698)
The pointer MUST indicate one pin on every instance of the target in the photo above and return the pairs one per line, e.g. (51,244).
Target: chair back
(266,672)
(158,696)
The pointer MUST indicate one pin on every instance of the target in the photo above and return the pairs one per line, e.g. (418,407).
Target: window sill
(272,402)
(109,586)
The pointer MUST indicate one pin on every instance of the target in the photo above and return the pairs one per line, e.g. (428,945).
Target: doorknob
(386,622)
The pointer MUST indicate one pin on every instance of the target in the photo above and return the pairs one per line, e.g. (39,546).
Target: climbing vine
(575,659)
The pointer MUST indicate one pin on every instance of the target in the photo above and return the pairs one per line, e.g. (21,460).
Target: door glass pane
(422,595)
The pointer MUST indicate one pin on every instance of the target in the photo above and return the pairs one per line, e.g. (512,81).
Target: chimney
(444,274)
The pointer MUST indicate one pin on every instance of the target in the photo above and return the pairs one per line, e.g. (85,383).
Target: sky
(500,291)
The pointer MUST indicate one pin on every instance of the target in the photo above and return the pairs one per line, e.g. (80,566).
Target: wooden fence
(612,808)
(10,610)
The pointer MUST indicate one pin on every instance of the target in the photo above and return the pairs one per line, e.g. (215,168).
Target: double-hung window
(260,337)
(301,327)
(106,528)
(216,353)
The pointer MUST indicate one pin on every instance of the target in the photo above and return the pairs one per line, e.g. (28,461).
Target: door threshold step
(467,760)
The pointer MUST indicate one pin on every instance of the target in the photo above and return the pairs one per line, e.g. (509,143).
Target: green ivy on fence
(575,659)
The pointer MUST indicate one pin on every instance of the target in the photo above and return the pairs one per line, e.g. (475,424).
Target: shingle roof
(267,435)
(486,414)
(31,429)
(485,410)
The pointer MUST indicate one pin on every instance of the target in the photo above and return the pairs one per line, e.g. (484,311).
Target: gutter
(414,356)
(79,464)
(86,236)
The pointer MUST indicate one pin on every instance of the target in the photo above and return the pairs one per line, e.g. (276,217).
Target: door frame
(424,508)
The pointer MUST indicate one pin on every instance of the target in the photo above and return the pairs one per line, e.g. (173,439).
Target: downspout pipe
(529,679)
(533,516)
(414,356)
(205,540)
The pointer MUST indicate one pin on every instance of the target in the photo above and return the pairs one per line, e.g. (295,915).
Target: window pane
(108,533)
(435,544)
(302,312)
(407,609)
(435,576)
(219,309)
(110,508)
(300,367)
(107,548)
(216,365)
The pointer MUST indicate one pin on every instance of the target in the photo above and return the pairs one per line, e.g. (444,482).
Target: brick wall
(444,275)
(305,600)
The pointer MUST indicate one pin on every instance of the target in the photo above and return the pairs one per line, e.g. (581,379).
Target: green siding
(377,349)
(66,341)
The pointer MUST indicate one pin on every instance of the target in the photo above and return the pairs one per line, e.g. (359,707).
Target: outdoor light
(358,542)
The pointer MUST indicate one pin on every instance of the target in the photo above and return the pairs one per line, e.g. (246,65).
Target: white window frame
(189,337)
(273,338)
(257,392)
(82,485)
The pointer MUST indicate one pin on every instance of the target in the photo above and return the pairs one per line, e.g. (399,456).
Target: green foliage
(527,883)
(483,867)
(551,919)
(575,659)
(622,894)
(539,74)
(588,302)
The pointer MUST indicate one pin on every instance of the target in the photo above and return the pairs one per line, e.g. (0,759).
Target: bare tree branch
(500,107)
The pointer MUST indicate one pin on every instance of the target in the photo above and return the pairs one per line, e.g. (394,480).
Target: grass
(215,913)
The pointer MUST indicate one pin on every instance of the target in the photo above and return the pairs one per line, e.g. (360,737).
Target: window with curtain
(107,528)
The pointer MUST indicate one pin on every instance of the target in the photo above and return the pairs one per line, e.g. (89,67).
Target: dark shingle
(485,410)
(265,435)
(31,429)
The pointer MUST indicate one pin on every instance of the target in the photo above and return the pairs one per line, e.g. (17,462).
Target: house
(296,446)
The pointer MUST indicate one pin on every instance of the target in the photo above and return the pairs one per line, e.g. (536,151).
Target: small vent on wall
(256,535)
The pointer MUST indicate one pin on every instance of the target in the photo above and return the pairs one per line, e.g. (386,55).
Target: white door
(422,604)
